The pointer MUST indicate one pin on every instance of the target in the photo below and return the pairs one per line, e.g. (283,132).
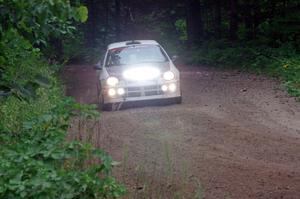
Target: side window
(101,61)
(104,63)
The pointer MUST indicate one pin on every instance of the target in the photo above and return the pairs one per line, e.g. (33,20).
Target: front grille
(134,89)
(144,91)
(134,94)
(150,93)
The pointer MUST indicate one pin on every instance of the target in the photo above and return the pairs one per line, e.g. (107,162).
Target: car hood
(117,71)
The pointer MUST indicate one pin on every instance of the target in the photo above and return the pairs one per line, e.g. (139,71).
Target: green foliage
(36,160)
(283,62)
(75,51)
(82,13)
(17,56)
(38,21)
(281,29)
(157,28)
(181,27)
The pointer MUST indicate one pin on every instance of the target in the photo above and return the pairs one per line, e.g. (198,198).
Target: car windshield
(135,55)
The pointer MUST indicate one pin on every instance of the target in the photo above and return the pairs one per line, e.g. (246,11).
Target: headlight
(112,92)
(168,75)
(172,87)
(121,91)
(164,88)
(112,81)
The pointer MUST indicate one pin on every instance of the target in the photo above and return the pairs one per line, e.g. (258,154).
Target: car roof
(132,42)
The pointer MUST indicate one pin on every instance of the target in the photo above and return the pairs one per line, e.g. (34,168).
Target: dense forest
(38,37)
(192,22)
(261,36)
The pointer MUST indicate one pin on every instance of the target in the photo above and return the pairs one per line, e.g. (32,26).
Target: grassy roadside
(36,160)
(282,62)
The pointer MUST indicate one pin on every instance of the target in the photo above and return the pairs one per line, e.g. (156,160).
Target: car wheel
(107,107)
(178,100)
(99,97)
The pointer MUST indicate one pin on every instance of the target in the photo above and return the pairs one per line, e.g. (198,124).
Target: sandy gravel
(237,134)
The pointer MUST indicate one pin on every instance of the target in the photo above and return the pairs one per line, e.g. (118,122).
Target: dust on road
(236,133)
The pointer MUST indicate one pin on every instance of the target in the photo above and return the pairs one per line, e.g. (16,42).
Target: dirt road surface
(236,135)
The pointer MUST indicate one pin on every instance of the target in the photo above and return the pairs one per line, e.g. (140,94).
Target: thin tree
(233,20)
(118,19)
(194,21)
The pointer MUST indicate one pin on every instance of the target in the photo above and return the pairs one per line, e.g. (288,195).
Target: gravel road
(236,135)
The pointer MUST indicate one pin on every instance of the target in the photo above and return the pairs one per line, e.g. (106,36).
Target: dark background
(192,21)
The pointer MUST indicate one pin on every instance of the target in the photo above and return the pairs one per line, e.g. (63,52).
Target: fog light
(112,92)
(121,91)
(164,88)
(172,87)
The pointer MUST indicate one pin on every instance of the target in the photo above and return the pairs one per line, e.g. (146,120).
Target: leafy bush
(181,27)
(38,21)
(17,58)
(283,62)
(36,160)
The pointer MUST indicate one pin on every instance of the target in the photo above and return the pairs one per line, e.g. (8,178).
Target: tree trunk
(218,18)
(118,19)
(91,24)
(248,20)
(106,22)
(233,20)
(194,21)
(257,18)
(130,30)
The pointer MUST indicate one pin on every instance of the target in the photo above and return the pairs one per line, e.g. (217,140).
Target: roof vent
(133,42)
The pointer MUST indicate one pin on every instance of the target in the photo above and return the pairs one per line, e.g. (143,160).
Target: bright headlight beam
(172,87)
(141,73)
(112,81)
(164,88)
(111,92)
(169,75)
(121,91)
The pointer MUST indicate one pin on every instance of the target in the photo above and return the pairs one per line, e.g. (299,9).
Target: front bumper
(141,91)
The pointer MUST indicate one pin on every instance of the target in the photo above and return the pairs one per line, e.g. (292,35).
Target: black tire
(106,107)
(171,101)
(99,98)
(178,100)
(101,105)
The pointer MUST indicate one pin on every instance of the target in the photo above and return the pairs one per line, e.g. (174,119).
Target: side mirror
(97,67)
(174,58)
